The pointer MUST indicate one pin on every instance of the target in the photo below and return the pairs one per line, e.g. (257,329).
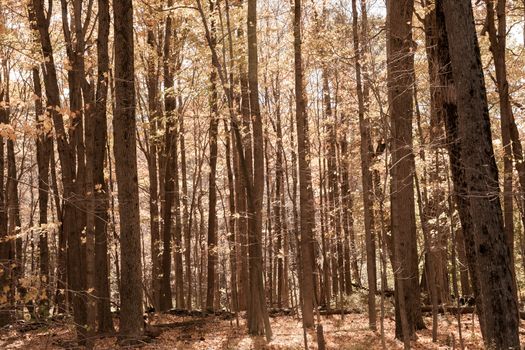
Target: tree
(212,186)
(476,180)
(509,131)
(403,220)
(258,321)
(167,165)
(70,226)
(306,201)
(44,145)
(5,244)
(124,133)
(366,176)
(102,288)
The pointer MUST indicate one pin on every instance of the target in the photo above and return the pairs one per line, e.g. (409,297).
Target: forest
(262,174)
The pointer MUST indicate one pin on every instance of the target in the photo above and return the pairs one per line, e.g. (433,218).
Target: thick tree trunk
(258,321)
(400,81)
(475,176)
(124,132)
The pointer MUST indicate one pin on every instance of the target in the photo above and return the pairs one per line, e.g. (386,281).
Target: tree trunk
(306,200)
(124,132)
(167,168)
(475,172)
(43,153)
(258,321)
(66,155)
(5,244)
(509,131)
(154,112)
(366,177)
(212,187)
(400,81)
(102,288)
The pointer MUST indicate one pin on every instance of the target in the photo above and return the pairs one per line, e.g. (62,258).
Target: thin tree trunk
(167,168)
(154,110)
(102,288)
(366,177)
(306,200)
(43,152)
(212,186)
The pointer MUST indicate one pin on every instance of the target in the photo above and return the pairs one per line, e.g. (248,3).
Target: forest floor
(213,333)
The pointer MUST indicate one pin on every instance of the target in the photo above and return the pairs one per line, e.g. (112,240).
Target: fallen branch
(449,309)
(276,312)
(223,314)
(325,312)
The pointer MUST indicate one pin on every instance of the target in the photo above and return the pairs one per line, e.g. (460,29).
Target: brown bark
(124,132)
(475,172)
(258,321)
(80,237)
(212,187)
(400,81)
(66,155)
(306,200)
(167,167)
(153,73)
(243,196)
(497,38)
(43,153)
(279,208)
(6,251)
(334,203)
(366,176)
(102,288)
(186,221)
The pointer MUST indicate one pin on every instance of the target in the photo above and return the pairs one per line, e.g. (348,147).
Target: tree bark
(306,202)
(258,321)
(400,81)
(43,153)
(366,177)
(154,112)
(476,181)
(66,155)
(124,132)
(509,132)
(212,187)
(104,317)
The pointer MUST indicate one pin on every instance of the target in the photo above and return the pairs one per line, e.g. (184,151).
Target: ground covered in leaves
(175,332)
